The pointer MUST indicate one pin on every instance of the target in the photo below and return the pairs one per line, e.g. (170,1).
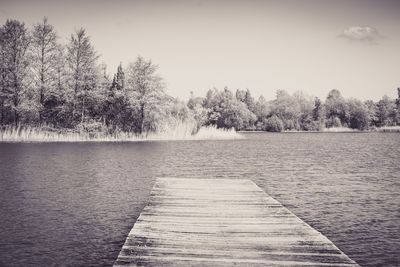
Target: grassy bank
(392,129)
(388,129)
(339,130)
(179,132)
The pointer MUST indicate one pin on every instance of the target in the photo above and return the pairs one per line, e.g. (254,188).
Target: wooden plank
(222,222)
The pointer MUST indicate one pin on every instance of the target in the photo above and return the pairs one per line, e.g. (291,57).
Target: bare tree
(3,75)
(14,45)
(44,57)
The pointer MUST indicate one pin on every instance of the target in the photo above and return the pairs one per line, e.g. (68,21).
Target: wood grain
(222,222)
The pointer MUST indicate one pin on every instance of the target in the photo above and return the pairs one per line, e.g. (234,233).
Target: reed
(339,130)
(388,129)
(180,131)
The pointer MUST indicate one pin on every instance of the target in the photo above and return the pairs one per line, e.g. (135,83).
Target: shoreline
(34,135)
(181,133)
(386,129)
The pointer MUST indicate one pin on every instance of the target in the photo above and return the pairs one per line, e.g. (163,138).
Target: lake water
(73,204)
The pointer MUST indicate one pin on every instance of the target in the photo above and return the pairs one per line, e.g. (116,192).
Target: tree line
(44,82)
(296,112)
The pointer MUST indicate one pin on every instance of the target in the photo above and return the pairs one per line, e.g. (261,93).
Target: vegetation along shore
(48,88)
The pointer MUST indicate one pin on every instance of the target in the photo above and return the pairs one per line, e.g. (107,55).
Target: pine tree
(83,72)
(119,79)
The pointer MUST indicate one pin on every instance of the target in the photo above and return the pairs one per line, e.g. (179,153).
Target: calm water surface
(74,204)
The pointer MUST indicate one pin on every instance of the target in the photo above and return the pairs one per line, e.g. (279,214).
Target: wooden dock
(222,222)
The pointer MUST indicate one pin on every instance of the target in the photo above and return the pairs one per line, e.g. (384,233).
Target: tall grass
(392,129)
(389,129)
(339,130)
(181,131)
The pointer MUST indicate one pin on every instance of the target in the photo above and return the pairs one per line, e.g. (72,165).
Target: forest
(64,87)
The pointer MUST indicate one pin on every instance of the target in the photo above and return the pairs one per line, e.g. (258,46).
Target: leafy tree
(306,105)
(44,82)
(318,114)
(371,109)
(262,110)
(273,124)
(249,101)
(335,106)
(385,112)
(227,111)
(287,108)
(146,94)
(240,95)
(211,103)
(358,115)
(245,97)
(262,107)
(237,115)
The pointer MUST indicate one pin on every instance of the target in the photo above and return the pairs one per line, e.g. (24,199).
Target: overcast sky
(311,45)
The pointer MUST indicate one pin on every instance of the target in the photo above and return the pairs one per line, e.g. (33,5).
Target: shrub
(273,124)
(333,122)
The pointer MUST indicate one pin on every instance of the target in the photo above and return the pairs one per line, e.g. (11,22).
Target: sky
(308,45)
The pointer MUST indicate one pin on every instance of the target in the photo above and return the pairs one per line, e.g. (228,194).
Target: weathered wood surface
(222,222)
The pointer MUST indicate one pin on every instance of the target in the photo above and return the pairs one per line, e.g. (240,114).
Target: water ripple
(73,204)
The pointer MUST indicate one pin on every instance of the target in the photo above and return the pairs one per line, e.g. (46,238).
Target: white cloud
(362,34)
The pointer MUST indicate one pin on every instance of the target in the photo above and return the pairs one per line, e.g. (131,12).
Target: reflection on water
(74,204)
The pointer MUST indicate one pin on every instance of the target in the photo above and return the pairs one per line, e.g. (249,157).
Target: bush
(333,122)
(311,126)
(273,124)
(358,115)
